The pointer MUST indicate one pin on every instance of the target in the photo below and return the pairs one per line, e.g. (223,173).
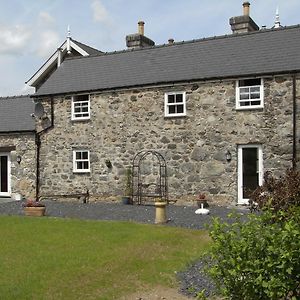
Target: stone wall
(23,175)
(127,121)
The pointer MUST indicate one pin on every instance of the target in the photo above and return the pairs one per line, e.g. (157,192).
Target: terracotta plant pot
(35,211)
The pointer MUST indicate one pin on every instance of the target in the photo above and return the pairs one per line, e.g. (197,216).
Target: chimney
(141,27)
(244,23)
(138,40)
(246,8)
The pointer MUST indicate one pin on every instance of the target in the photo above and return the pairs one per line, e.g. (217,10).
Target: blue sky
(31,30)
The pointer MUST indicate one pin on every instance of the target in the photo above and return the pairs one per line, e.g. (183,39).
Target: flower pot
(202,201)
(126,200)
(35,211)
(160,212)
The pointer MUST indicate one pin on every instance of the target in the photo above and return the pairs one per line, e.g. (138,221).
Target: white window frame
(75,161)
(167,104)
(76,115)
(238,93)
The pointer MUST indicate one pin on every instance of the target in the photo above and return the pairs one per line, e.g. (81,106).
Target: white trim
(73,115)
(54,60)
(167,104)
(78,49)
(8,193)
(75,170)
(242,200)
(237,96)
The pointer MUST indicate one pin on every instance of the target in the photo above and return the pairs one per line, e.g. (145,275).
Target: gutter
(38,151)
(294,162)
(18,132)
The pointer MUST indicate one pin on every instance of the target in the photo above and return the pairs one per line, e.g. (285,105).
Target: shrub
(278,194)
(257,259)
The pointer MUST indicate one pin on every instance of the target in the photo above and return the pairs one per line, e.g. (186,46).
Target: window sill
(250,108)
(81,120)
(82,172)
(175,116)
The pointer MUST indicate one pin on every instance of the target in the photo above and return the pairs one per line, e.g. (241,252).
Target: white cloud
(13,39)
(48,42)
(100,14)
(45,18)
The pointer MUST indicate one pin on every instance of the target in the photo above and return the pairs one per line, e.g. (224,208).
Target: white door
(250,171)
(5,174)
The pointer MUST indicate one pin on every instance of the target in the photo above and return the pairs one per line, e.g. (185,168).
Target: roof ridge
(224,36)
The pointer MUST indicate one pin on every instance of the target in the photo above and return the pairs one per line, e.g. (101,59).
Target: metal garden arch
(142,190)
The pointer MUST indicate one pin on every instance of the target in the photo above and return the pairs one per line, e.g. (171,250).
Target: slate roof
(15,114)
(258,53)
(86,48)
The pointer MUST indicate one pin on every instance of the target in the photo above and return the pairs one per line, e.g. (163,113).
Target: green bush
(259,258)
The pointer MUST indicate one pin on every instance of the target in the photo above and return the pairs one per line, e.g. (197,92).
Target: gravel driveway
(193,279)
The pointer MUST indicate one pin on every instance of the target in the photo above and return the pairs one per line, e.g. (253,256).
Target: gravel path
(193,279)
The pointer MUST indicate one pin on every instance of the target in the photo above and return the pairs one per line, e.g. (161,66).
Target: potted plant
(127,197)
(202,200)
(34,208)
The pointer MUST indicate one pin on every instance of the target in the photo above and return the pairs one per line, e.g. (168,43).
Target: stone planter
(35,211)
(126,200)
(160,212)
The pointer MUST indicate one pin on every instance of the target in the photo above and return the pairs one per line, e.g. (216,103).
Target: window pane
(78,155)
(246,103)
(179,98)
(250,82)
(81,98)
(79,165)
(255,96)
(180,109)
(172,109)
(84,155)
(255,102)
(86,165)
(171,98)
(244,96)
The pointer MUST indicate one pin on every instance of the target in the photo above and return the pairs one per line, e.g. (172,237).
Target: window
(81,107)
(81,161)
(175,104)
(249,93)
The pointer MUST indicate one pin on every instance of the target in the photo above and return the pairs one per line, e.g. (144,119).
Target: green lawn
(49,258)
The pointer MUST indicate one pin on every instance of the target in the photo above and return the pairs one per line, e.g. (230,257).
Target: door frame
(8,193)
(242,200)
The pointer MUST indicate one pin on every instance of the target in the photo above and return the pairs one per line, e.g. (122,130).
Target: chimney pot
(246,8)
(141,27)
(170,41)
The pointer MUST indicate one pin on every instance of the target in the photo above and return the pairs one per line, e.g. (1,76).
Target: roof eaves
(161,83)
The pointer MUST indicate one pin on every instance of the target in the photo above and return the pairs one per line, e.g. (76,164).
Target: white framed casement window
(81,161)
(175,104)
(81,107)
(250,93)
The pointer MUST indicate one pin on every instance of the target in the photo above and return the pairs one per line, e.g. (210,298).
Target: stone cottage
(220,111)
(17,147)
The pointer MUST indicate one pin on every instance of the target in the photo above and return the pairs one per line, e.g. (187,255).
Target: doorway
(250,171)
(4,175)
